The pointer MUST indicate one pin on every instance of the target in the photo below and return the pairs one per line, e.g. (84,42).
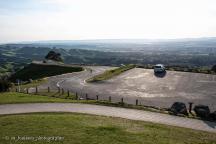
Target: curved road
(75,82)
(76,79)
(110,111)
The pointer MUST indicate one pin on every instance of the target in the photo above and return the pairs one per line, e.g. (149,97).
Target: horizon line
(98,39)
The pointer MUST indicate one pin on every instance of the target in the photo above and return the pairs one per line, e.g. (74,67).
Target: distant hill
(200,52)
(37,71)
(125,44)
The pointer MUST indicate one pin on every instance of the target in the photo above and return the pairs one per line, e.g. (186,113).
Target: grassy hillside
(38,71)
(88,129)
(111,73)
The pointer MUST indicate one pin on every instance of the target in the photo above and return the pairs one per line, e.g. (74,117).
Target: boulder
(30,80)
(202,111)
(213,115)
(179,108)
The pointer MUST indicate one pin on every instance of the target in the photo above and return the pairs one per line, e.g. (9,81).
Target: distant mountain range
(191,44)
(199,52)
(134,41)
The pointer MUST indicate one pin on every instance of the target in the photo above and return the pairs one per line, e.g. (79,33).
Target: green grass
(38,71)
(13,97)
(111,73)
(90,129)
(56,94)
(34,83)
(55,97)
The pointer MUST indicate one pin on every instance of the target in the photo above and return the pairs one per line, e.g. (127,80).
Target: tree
(54,56)
(214,68)
(4,84)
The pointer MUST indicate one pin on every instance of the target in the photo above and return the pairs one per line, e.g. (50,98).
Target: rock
(179,108)
(202,111)
(30,80)
(213,115)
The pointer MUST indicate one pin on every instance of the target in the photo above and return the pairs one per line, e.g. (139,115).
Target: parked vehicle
(159,68)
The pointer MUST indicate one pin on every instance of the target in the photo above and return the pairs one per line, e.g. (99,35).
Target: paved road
(109,111)
(75,82)
(143,85)
(164,90)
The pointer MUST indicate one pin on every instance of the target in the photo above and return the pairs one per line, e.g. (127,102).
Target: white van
(159,68)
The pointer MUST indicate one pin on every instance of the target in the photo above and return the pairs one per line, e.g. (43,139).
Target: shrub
(54,56)
(5,84)
(214,68)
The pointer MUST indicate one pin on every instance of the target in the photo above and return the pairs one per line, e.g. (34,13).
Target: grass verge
(55,97)
(111,73)
(13,97)
(87,129)
(43,97)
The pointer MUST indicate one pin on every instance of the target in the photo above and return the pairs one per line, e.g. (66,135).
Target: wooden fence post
(76,96)
(36,89)
(68,93)
(136,101)
(62,91)
(97,97)
(86,96)
(122,100)
(190,107)
(27,90)
(109,98)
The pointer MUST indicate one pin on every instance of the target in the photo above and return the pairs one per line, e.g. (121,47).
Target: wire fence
(81,94)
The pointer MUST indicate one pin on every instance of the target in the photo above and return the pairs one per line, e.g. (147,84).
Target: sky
(33,20)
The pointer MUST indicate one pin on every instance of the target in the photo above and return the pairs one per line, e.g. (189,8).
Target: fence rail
(83,95)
